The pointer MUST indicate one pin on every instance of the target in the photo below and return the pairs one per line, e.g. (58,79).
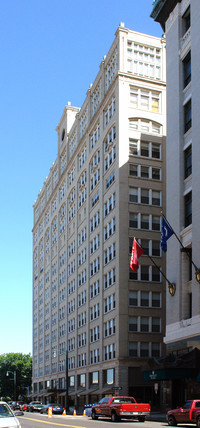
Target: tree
(15,375)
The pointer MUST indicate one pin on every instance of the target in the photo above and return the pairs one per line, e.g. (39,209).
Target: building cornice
(162,9)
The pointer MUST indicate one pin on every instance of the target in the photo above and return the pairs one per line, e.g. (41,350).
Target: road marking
(52,423)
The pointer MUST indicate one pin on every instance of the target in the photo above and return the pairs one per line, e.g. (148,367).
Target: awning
(169,373)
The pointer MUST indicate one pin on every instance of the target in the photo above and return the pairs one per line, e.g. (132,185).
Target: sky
(50,53)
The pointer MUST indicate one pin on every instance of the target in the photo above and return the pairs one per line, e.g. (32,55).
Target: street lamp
(14,379)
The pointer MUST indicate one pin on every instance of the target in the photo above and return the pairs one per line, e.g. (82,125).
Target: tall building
(96,322)
(180,21)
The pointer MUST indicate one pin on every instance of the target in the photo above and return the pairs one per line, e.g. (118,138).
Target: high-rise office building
(180,21)
(95,321)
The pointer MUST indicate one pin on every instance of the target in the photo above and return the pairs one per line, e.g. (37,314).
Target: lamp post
(66,380)
(14,379)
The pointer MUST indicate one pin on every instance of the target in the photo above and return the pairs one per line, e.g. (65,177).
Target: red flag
(137,251)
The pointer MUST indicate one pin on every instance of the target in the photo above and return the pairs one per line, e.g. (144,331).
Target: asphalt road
(35,420)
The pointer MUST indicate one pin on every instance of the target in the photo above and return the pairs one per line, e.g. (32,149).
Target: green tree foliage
(22,365)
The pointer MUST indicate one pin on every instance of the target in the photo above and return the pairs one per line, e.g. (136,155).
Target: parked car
(121,407)
(189,413)
(15,405)
(56,408)
(88,409)
(37,407)
(8,417)
(31,404)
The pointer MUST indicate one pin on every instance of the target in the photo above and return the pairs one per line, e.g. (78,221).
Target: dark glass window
(188,209)
(188,162)
(186,21)
(187,70)
(187,116)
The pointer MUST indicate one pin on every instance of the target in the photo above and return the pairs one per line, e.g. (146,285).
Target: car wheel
(141,418)
(94,416)
(171,421)
(198,422)
(114,417)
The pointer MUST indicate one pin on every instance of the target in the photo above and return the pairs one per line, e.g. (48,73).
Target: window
(156,151)
(144,349)
(133,147)
(155,274)
(156,248)
(109,376)
(133,194)
(156,173)
(144,221)
(145,246)
(186,21)
(144,299)
(132,324)
(188,209)
(145,196)
(187,115)
(144,171)
(188,162)
(133,220)
(144,149)
(95,378)
(133,170)
(144,324)
(155,325)
(133,299)
(156,198)
(155,222)
(133,349)
(155,350)
(145,273)
(156,300)
(187,69)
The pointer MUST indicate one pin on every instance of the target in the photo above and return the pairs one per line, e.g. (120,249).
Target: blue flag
(166,233)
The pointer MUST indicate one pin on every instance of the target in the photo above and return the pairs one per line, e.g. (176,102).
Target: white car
(7,417)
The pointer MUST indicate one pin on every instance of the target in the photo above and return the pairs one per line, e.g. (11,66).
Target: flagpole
(169,283)
(180,243)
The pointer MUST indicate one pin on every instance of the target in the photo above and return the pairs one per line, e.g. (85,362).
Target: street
(40,421)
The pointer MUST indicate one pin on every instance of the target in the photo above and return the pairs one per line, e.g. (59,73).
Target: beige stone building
(106,186)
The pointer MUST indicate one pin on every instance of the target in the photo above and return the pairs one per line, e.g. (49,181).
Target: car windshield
(5,412)
(124,400)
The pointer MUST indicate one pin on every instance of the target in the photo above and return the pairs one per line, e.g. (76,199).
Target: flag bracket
(197,275)
(172,288)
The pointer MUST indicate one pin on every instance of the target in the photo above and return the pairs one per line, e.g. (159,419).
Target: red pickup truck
(120,407)
(189,413)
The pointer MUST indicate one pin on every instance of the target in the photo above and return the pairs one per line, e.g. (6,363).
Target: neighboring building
(180,21)
(106,186)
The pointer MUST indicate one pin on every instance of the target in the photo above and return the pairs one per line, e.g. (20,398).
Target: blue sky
(50,53)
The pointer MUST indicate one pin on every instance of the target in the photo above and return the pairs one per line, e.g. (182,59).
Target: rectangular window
(187,70)
(188,209)
(144,324)
(145,246)
(155,274)
(145,273)
(156,173)
(144,299)
(144,349)
(155,325)
(133,170)
(187,115)
(145,196)
(133,300)
(144,221)
(133,220)
(132,324)
(186,21)
(156,248)
(156,300)
(156,198)
(132,349)
(155,222)
(156,151)
(144,149)
(188,162)
(144,171)
(133,194)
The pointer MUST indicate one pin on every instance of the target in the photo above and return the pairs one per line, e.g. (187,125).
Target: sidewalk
(156,416)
